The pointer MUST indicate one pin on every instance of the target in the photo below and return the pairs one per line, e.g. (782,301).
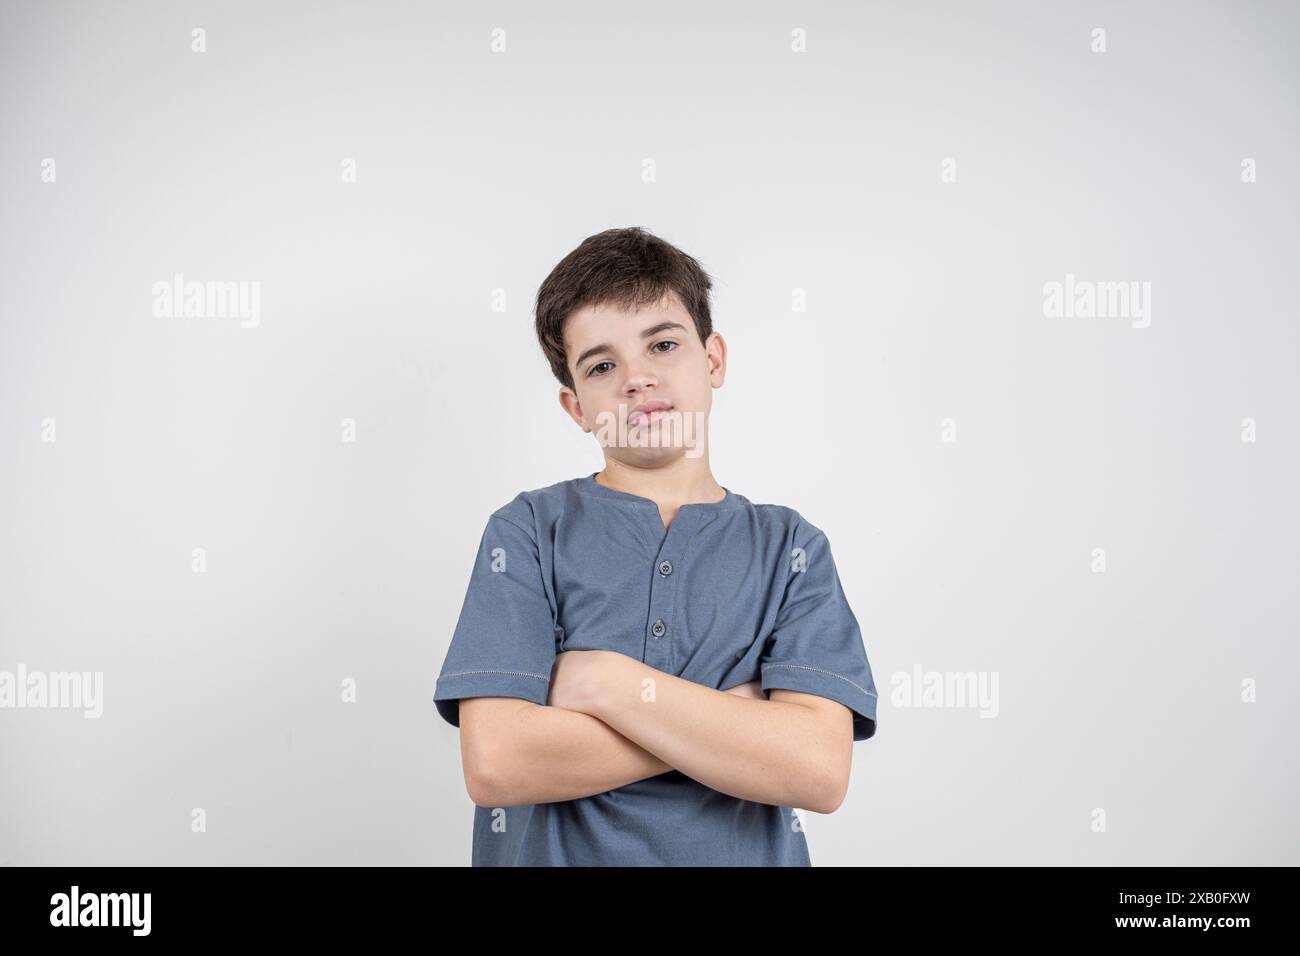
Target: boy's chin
(646,457)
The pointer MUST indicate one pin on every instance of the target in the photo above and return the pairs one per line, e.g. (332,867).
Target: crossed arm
(612,720)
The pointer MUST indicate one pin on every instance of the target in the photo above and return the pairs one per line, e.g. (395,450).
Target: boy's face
(622,360)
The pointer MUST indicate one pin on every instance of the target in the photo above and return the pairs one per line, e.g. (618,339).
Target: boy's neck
(684,482)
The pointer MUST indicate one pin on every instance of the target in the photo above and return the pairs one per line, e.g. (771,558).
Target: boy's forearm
(566,754)
(547,754)
(767,751)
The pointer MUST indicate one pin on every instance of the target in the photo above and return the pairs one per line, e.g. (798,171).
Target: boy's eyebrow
(647,333)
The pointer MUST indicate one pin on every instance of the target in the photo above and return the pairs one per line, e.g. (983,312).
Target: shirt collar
(590,486)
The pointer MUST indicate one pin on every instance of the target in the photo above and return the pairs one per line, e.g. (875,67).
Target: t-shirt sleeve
(505,639)
(816,645)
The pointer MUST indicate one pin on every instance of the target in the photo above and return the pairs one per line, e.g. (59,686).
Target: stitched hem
(815,680)
(486,683)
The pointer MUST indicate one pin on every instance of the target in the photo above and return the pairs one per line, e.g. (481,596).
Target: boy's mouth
(648,411)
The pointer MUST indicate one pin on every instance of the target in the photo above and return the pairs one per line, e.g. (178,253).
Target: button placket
(665,573)
(663,587)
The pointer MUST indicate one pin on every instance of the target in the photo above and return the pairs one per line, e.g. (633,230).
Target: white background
(817,171)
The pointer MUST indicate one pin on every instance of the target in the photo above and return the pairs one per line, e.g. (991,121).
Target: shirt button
(665,568)
(657,629)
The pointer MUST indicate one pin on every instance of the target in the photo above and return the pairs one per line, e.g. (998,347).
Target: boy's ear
(716,348)
(569,402)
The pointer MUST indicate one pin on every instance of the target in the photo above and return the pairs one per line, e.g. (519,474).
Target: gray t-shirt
(731,592)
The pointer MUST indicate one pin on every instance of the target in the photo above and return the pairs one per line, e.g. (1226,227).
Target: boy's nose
(638,381)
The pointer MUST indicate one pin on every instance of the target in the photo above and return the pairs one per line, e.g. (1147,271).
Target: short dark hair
(628,268)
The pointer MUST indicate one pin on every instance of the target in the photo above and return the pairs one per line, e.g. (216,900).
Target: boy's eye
(593,370)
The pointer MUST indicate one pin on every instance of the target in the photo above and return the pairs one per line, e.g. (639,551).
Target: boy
(648,668)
